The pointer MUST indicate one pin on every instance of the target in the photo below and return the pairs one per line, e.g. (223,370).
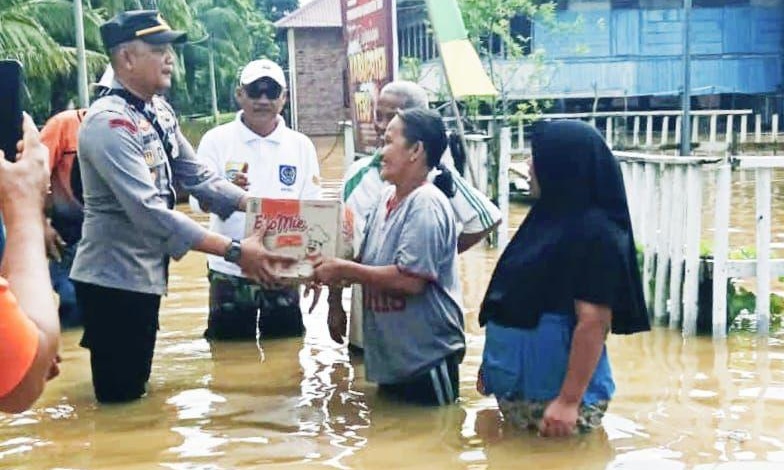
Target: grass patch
(194,127)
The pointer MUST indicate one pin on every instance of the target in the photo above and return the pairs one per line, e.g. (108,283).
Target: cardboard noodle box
(304,229)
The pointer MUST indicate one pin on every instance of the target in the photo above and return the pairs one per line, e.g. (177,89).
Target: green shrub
(194,127)
(741,302)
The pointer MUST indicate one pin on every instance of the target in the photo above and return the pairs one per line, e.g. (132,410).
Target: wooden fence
(715,130)
(665,202)
(665,194)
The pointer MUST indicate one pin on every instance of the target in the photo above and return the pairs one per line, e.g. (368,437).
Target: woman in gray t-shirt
(413,322)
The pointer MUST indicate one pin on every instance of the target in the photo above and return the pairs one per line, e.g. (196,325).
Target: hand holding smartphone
(24,183)
(10,107)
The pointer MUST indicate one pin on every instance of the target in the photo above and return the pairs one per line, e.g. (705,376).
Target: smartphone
(11,82)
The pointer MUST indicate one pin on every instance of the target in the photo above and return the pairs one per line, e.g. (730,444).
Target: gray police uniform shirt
(405,336)
(130,228)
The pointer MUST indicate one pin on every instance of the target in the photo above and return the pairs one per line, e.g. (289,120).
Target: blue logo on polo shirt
(287,174)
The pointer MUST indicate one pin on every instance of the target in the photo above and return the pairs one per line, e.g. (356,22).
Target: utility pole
(686,98)
(81,58)
(213,89)
(211,63)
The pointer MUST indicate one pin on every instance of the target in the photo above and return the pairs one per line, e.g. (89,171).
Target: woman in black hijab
(568,276)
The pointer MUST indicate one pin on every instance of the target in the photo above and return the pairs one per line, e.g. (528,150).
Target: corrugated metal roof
(316,14)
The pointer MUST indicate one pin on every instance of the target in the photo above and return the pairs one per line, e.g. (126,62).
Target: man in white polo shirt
(258,153)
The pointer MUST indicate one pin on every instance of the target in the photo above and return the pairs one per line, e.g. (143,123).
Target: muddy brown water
(304,403)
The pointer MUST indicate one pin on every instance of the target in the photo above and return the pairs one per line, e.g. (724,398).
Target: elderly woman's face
(397,152)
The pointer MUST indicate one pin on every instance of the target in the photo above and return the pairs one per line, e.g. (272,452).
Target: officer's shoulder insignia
(122,123)
(287,174)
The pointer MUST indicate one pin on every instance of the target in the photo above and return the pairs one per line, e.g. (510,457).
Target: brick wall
(320,62)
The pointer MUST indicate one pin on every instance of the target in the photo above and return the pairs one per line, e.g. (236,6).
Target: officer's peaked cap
(147,25)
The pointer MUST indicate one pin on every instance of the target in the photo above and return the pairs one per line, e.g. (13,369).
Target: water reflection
(742,210)
(304,402)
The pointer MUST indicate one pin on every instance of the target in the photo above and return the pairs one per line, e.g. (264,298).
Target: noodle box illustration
(304,229)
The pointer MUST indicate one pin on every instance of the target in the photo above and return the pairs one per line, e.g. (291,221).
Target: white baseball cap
(262,68)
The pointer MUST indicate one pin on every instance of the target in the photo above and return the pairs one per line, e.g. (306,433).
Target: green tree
(237,34)
(177,13)
(39,33)
(488,25)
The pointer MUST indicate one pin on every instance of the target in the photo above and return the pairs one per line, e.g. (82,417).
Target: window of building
(717,3)
(661,4)
(521,31)
(624,4)
(491,44)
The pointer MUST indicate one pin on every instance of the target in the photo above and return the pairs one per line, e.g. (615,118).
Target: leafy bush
(741,302)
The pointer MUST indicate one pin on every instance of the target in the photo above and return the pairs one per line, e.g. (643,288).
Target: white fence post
(744,127)
(649,131)
(664,194)
(636,200)
(695,128)
(626,172)
(691,278)
(721,250)
(713,125)
(505,159)
(650,226)
(348,144)
(520,136)
(476,161)
(763,196)
(676,245)
(677,130)
(774,128)
(665,129)
(608,132)
(636,132)
(757,128)
(728,130)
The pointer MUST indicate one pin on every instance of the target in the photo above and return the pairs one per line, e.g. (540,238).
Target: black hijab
(575,243)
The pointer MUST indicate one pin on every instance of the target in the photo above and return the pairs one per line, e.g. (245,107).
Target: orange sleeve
(50,136)
(18,341)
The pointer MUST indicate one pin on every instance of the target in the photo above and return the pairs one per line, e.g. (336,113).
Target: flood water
(304,403)
(743,208)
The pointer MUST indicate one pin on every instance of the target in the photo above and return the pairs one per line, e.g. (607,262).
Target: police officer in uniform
(131,151)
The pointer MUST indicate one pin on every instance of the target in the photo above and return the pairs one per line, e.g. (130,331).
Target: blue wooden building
(628,53)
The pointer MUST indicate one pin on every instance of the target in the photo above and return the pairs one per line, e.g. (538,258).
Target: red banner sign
(370,45)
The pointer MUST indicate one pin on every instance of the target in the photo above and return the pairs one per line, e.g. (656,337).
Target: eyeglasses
(254,90)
